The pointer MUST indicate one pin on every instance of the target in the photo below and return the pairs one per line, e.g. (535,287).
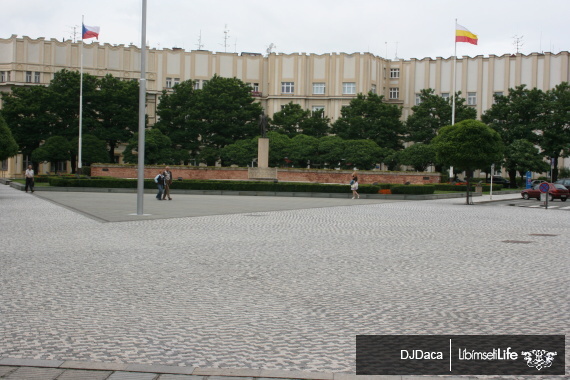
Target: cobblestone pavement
(277,290)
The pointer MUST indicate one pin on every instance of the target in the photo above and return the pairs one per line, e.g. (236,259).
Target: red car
(556,191)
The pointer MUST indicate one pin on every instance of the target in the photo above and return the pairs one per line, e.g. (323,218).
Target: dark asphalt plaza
(267,283)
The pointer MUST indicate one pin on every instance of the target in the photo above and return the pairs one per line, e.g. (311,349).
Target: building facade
(314,81)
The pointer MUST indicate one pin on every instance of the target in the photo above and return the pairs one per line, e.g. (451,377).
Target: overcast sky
(402,28)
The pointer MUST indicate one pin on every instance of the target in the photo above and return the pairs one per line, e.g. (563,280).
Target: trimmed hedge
(413,189)
(110,182)
(214,185)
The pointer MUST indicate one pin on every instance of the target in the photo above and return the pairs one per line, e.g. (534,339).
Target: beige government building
(315,81)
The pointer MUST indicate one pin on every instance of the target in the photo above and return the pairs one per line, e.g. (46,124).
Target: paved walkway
(262,284)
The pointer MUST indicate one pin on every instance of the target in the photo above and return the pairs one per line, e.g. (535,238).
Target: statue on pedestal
(263,125)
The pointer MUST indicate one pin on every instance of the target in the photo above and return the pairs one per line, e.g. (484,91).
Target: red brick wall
(283,175)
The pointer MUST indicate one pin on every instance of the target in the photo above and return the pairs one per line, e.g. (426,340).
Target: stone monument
(262,171)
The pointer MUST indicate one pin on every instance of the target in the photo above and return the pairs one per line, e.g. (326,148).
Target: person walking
(167,183)
(354,186)
(29,179)
(159,180)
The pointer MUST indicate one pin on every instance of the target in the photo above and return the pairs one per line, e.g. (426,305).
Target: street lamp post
(142,106)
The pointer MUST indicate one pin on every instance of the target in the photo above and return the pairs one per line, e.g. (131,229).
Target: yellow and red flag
(462,34)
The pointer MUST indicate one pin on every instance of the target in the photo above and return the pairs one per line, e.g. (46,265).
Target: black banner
(460,354)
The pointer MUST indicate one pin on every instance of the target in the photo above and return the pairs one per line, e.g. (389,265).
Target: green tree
(517,116)
(64,103)
(420,156)
(8,145)
(316,124)
(116,104)
(179,119)
(331,150)
(522,156)
(554,136)
(468,145)
(240,153)
(36,113)
(303,149)
(362,154)
(93,149)
(279,149)
(158,149)
(27,113)
(55,149)
(227,113)
(289,119)
(433,113)
(368,117)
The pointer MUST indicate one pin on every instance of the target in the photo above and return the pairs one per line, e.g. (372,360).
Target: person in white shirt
(29,179)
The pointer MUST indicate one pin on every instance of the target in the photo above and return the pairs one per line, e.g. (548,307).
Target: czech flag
(90,32)
(462,34)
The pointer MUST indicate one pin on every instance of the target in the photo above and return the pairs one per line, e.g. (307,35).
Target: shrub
(413,189)
(109,182)
(463,188)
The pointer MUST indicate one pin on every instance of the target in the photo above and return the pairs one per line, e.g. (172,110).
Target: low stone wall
(283,174)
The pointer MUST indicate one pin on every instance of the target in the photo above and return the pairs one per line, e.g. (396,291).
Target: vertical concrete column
(263,152)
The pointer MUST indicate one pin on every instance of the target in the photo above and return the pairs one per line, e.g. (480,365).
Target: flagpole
(80,100)
(454,74)
(453,85)
(142,106)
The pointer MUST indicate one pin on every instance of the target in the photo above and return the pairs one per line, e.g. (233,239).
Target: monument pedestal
(262,171)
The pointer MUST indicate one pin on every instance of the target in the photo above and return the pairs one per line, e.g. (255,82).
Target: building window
(28,77)
(287,87)
(197,84)
(394,73)
(4,76)
(394,93)
(318,88)
(319,110)
(496,94)
(255,87)
(471,98)
(37,77)
(168,82)
(418,99)
(445,95)
(61,166)
(349,88)
(176,81)
(373,89)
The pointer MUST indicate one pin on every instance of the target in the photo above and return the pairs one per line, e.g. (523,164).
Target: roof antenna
(199,44)
(518,42)
(396,57)
(270,48)
(226,36)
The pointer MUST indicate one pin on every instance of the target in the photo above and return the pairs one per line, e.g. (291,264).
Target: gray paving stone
(77,374)
(270,288)
(34,373)
(159,368)
(180,377)
(6,369)
(30,362)
(296,375)
(94,365)
(133,376)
